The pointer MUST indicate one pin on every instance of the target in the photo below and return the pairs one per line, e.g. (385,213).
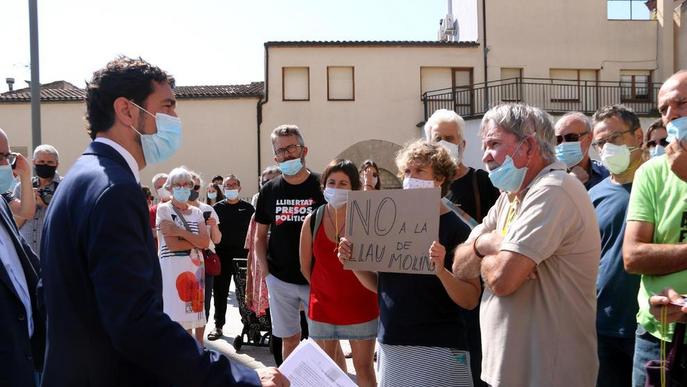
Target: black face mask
(44,171)
(193,196)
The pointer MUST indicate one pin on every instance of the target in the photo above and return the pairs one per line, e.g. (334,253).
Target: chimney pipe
(450,7)
(10,83)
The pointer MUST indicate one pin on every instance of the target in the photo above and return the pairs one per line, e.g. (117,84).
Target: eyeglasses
(570,137)
(291,150)
(663,142)
(613,138)
(10,157)
(184,185)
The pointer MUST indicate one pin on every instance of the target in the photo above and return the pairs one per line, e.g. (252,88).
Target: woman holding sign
(340,307)
(422,332)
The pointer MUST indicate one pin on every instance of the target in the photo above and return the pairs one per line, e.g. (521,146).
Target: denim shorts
(362,331)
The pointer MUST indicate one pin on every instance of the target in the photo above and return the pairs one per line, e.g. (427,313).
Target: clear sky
(200,42)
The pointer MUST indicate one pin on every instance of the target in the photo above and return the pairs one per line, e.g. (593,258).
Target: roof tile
(253,89)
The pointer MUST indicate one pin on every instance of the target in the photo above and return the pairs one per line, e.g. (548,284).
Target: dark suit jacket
(103,289)
(20,356)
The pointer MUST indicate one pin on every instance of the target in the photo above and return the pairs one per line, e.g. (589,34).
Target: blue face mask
(507,177)
(231,194)
(291,167)
(160,146)
(212,195)
(677,129)
(181,194)
(6,178)
(657,150)
(570,153)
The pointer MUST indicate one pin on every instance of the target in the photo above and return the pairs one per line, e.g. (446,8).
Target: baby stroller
(253,326)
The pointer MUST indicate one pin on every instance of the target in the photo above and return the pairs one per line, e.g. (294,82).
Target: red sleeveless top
(336,295)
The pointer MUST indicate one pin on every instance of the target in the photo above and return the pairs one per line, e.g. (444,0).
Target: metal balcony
(556,96)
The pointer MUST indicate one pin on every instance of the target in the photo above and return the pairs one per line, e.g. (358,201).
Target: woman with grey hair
(182,238)
(212,224)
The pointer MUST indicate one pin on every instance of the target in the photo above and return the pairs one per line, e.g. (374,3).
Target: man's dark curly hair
(122,77)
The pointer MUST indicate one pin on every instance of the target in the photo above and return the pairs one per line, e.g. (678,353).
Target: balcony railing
(556,96)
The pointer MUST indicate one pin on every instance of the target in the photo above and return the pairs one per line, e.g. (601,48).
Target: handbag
(675,367)
(213,266)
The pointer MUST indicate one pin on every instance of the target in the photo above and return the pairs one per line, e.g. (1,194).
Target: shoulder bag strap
(182,218)
(475,192)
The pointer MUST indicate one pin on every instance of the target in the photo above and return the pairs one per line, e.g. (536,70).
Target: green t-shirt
(659,197)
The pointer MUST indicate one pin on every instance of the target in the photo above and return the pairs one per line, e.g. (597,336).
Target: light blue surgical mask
(231,194)
(507,177)
(291,167)
(677,129)
(181,194)
(570,153)
(212,195)
(657,150)
(6,178)
(160,146)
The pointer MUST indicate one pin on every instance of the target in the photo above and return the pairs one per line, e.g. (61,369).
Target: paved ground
(252,356)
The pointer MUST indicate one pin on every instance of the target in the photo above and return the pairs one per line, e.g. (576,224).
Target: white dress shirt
(133,165)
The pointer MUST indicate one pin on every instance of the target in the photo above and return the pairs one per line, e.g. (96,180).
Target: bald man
(573,138)
(655,233)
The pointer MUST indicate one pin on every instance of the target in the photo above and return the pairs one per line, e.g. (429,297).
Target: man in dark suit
(103,287)
(22,330)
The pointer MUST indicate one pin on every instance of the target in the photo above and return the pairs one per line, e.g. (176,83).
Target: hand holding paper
(308,365)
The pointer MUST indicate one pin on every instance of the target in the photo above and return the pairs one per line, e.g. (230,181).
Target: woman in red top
(340,307)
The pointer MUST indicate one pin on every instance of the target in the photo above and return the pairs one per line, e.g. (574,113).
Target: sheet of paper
(308,365)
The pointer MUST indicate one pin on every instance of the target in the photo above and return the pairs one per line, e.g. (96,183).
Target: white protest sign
(392,230)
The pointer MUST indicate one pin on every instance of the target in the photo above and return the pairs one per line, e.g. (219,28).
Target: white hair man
(158,182)
(573,139)
(46,159)
(538,253)
(163,196)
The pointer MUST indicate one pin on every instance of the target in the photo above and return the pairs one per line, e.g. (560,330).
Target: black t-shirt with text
(234,220)
(284,207)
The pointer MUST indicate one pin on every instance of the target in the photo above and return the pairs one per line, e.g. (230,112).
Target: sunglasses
(570,137)
(663,142)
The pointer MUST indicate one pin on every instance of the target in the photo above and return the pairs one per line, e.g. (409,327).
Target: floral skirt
(183,288)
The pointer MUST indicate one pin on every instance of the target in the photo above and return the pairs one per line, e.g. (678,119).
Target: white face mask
(453,150)
(337,197)
(413,183)
(616,158)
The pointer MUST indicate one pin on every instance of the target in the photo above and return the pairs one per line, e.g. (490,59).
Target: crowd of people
(551,268)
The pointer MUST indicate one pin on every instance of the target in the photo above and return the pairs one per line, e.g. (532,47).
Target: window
(436,78)
(295,83)
(511,89)
(635,85)
(630,9)
(340,83)
(567,84)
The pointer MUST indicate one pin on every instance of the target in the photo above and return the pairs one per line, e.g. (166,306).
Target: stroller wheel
(238,342)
